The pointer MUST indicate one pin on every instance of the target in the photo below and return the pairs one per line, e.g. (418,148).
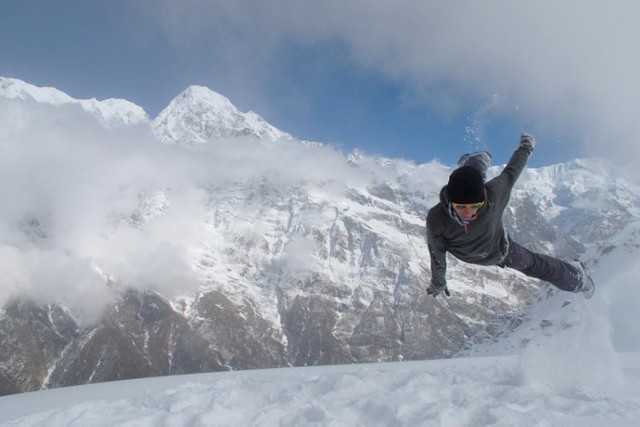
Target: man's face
(467,211)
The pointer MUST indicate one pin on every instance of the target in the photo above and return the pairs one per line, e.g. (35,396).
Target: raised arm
(510,174)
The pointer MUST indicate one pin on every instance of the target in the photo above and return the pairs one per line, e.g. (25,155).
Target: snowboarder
(467,223)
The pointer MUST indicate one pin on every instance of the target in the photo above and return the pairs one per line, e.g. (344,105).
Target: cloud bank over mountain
(569,67)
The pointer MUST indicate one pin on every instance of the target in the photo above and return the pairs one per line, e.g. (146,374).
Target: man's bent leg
(559,273)
(479,160)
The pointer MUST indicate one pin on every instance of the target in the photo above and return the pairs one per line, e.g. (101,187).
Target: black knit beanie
(466,185)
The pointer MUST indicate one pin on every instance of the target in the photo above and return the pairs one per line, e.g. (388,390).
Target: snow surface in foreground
(455,392)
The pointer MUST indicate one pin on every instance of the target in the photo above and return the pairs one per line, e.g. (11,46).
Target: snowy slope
(469,392)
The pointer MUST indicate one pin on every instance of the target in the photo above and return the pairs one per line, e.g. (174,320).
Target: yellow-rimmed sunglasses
(467,205)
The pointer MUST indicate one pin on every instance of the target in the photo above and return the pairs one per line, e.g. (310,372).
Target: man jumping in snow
(467,223)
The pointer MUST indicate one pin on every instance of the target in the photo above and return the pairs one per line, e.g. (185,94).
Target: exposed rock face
(142,336)
(240,334)
(33,337)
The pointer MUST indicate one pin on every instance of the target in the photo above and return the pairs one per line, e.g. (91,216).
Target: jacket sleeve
(503,183)
(438,253)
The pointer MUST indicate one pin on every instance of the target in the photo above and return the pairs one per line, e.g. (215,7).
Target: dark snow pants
(559,273)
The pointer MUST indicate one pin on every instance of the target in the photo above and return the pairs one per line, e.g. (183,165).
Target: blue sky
(411,79)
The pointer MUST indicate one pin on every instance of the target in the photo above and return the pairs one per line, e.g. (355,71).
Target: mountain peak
(201,94)
(200,115)
(111,112)
(18,89)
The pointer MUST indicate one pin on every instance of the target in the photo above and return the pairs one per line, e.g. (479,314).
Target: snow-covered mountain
(200,115)
(262,251)
(110,112)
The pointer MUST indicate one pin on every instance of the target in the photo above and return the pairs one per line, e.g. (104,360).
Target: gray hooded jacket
(483,241)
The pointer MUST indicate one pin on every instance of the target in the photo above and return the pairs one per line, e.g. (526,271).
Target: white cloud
(568,67)
(297,256)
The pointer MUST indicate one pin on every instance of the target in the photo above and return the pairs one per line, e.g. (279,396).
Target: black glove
(528,142)
(435,290)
